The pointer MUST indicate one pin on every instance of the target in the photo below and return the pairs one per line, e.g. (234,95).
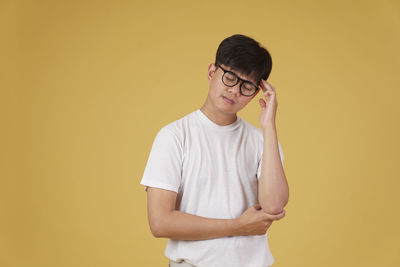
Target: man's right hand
(254,221)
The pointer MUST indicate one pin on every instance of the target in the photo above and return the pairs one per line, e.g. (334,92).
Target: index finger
(262,86)
(267,85)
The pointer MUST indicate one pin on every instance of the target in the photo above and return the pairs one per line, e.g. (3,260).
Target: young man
(214,182)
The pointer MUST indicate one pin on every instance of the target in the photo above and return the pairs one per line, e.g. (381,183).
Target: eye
(230,76)
(248,87)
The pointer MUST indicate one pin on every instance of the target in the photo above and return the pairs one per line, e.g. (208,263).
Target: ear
(211,71)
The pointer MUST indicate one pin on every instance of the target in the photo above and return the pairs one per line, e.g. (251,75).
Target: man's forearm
(184,226)
(273,190)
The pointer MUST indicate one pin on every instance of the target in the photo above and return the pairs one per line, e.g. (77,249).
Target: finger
(281,215)
(263,105)
(268,86)
(268,92)
(261,84)
(275,216)
(271,95)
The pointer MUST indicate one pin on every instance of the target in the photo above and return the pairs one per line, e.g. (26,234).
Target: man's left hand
(268,106)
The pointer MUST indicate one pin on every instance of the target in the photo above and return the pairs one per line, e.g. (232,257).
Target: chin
(227,109)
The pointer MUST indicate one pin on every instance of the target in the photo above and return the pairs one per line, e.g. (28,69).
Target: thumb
(263,105)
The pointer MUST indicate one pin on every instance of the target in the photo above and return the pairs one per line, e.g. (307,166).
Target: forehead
(250,78)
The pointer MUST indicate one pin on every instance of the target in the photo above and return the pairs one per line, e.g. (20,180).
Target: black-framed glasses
(230,79)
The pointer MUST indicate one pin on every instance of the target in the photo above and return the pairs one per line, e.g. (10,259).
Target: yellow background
(85,87)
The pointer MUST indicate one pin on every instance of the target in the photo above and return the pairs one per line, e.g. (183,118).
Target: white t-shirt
(214,169)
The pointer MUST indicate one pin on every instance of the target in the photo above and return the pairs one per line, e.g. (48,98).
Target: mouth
(228,100)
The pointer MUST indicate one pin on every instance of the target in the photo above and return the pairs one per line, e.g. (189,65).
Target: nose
(235,90)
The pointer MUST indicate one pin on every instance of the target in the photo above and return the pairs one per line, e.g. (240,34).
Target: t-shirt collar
(215,126)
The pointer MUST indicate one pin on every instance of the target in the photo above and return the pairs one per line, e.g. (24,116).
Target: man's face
(224,98)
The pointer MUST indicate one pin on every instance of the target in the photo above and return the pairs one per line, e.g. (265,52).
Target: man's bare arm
(165,221)
(273,189)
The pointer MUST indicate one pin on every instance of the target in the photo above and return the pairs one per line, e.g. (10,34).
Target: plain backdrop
(86,85)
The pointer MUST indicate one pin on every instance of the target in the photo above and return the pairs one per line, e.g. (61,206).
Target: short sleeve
(260,161)
(164,165)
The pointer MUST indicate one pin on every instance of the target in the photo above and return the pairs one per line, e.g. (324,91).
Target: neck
(217,116)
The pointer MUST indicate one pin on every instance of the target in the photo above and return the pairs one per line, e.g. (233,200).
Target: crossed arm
(167,222)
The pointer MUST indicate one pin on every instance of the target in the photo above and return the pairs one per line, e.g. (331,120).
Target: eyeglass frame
(238,79)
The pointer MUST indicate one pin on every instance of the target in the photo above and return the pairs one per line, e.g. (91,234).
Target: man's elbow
(158,227)
(273,203)
(271,210)
(155,230)
(271,207)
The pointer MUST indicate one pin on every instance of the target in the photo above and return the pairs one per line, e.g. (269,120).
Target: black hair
(244,54)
